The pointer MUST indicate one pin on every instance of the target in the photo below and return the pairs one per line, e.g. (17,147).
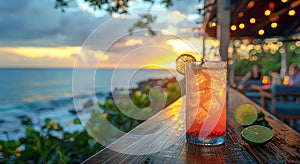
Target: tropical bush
(49,144)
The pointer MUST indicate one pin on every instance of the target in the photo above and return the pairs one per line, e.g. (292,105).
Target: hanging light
(271,6)
(261,32)
(284,1)
(233,27)
(241,25)
(213,24)
(250,4)
(240,14)
(274,25)
(292,12)
(252,20)
(267,12)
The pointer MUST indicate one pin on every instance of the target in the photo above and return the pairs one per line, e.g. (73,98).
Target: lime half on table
(245,114)
(182,60)
(257,135)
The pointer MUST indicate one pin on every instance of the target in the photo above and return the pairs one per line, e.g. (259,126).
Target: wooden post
(223,23)
(232,67)
(284,59)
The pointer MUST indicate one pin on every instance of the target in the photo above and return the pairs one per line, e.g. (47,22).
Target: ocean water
(29,85)
(41,93)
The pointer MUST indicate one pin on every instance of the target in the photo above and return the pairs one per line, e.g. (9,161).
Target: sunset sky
(34,34)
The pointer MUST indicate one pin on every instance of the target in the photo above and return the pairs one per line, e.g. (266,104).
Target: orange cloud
(129,42)
(191,46)
(41,52)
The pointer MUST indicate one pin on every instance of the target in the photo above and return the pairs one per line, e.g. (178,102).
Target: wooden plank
(283,148)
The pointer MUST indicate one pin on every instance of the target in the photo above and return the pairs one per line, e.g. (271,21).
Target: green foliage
(116,117)
(113,6)
(50,143)
(142,101)
(267,54)
(173,92)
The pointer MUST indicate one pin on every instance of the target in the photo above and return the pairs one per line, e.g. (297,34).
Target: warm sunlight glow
(179,46)
(40,52)
(176,12)
(292,12)
(129,42)
(252,20)
(132,42)
(274,25)
(267,12)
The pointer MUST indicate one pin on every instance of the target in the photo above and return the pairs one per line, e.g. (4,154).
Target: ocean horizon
(41,93)
(21,85)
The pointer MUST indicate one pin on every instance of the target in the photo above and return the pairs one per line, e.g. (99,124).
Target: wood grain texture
(283,148)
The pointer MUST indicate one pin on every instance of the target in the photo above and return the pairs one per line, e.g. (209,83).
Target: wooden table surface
(283,148)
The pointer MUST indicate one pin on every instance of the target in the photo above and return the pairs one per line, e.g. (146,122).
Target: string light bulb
(261,32)
(213,24)
(292,12)
(233,27)
(267,12)
(274,25)
(241,25)
(252,20)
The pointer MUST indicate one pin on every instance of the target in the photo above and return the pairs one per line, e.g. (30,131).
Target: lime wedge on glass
(182,60)
(245,114)
(257,135)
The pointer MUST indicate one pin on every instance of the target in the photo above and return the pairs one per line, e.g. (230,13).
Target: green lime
(257,135)
(245,114)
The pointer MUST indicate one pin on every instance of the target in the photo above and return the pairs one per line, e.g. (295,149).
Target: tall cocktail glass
(206,102)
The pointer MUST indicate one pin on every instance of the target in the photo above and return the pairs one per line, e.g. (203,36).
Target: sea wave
(60,109)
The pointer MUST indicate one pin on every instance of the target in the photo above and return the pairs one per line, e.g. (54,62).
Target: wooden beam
(223,32)
(292,28)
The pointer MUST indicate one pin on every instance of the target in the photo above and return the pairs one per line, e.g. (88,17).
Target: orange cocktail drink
(206,102)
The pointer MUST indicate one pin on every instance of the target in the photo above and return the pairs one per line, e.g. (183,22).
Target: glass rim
(208,64)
